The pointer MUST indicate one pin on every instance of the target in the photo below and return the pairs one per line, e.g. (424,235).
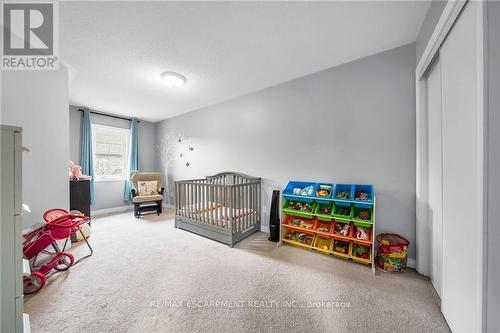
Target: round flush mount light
(173,79)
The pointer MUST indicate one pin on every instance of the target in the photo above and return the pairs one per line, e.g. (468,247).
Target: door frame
(448,17)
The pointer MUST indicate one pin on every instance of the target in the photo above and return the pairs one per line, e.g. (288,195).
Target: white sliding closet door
(463,160)
(435,172)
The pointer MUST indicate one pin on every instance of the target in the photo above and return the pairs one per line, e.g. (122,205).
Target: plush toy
(75,172)
(361,233)
(345,230)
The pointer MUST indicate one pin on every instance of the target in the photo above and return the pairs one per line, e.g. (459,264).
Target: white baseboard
(264,228)
(411,262)
(99,212)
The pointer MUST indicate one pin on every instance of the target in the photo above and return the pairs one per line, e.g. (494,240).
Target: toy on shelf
(300,237)
(363,193)
(344,211)
(325,210)
(300,206)
(301,224)
(324,191)
(345,230)
(361,251)
(322,243)
(306,191)
(362,233)
(363,214)
(323,226)
(362,196)
(343,195)
(341,247)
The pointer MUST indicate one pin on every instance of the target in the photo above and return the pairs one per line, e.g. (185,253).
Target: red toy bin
(368,230)
(298,222)
(339,225)
(323,227)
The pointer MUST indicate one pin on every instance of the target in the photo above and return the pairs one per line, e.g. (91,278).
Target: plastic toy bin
(361,253)
(298,222)
(362,215)
(323,227)
(324,212)
(342,213)
(341,247)
(338,226)
(323,244)
(299,208)
(343,194)
(324,192)
(363,195)
(289,194)
(305,239)
(367,229)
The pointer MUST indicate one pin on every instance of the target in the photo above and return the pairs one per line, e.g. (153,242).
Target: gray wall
(37,101)
(493,231)
(430,21)
(353,123)
(109,194)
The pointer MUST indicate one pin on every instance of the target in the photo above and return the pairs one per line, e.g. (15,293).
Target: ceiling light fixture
(173,79)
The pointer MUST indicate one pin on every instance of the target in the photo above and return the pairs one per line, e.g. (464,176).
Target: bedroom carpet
(147,276)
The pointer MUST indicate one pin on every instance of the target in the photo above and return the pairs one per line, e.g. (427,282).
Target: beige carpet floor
(147,276)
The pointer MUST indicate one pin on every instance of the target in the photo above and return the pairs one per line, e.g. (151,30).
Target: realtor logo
(29,32)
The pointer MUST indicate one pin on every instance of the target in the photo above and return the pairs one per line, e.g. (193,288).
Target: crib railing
(227,200)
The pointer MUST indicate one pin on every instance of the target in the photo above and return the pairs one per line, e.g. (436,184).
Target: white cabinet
(11,241)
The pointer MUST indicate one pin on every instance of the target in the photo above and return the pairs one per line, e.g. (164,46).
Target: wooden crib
(225,207)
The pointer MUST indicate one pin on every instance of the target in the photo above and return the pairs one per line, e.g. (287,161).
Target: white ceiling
(116,51)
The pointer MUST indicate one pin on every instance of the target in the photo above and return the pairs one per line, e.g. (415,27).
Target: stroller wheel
(33,282)
(65,261)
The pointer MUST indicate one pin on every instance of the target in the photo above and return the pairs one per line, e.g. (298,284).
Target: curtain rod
(109,115)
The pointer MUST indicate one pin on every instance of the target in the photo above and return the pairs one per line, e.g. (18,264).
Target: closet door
(435,172)
(462,114)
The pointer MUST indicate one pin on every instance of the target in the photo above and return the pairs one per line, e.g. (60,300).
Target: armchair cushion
(147,198)
(136,176)
(148,187)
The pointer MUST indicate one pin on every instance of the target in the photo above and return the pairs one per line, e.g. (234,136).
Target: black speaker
(274,218)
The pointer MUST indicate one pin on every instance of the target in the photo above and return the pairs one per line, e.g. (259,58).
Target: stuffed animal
(75,171)
(361,233)
(345,230)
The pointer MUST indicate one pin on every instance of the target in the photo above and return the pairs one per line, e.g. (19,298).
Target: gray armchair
(146,202)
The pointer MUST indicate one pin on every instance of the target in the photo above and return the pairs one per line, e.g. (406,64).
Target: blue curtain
(132,159)
(86,156)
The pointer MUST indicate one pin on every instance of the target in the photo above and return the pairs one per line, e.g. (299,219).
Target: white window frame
(126,132)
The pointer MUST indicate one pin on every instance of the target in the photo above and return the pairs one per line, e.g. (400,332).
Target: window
(110,147)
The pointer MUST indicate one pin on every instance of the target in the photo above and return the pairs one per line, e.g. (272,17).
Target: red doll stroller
(59,225)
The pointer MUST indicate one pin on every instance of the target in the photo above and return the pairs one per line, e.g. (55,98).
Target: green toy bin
(324,216)
(342,213)
(288,208)
(362,216)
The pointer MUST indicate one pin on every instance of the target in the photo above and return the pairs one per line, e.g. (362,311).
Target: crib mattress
(220,214)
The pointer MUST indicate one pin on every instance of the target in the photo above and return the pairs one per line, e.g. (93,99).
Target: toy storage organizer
(334,219)
(224,207)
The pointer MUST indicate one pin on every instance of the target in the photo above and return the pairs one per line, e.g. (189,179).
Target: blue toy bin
(343,188)
(364,203)
(326,199)
(288,191)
